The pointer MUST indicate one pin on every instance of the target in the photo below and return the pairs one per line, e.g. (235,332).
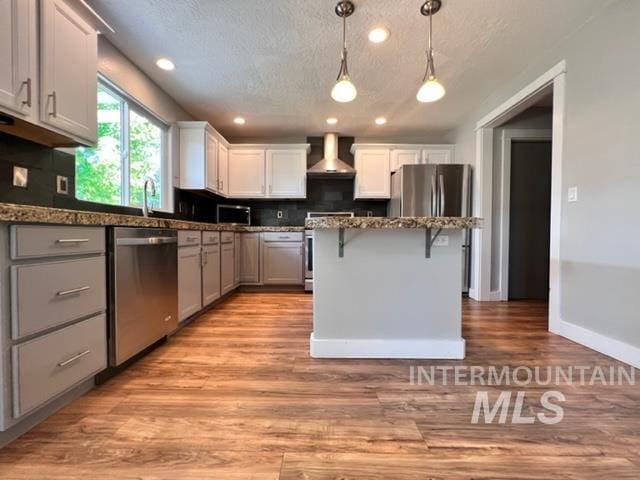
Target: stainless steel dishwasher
(143,283)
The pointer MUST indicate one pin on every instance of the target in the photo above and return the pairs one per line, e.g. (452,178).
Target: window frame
(128,104)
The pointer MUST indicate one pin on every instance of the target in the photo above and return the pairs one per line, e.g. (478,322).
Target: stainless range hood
(331,165)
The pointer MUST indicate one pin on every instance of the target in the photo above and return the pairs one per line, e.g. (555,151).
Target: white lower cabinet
(189,281)
(211,290)
(250,258)
(283,260)
(227,264)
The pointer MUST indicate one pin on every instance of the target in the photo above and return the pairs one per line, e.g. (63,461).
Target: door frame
(481,253)
(508,137)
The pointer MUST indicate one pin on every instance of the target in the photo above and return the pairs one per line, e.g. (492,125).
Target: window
(130,149)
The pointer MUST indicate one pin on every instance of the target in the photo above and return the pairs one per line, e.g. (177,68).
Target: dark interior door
(529,220)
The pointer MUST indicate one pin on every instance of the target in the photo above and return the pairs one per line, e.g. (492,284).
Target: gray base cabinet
(189,281)
(211,288)
(227,264)
(250,258)
(282,263)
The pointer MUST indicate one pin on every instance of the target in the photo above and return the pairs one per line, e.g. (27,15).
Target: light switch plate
(572,194)
(20,177)
(441,241)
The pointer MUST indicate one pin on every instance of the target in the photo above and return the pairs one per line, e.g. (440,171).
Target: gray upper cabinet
(189,281)
(283,263)
(250,258)
(211,290)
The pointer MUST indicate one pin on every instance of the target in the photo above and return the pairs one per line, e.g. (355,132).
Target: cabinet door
(246,173)
(437,155)
(226,269)
(212,162)
(236,259)
(286,173)
(18,53)
(68,71)
(282,263)
(373,177)
(405,157)
(210,274)
(223,170)
(250,258)
(189,281)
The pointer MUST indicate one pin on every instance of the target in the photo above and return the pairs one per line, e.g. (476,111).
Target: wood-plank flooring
(235,395)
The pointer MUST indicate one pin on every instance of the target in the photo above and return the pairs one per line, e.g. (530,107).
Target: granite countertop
(30,214)
(393,223)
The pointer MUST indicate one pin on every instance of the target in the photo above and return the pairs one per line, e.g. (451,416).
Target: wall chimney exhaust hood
(331,165)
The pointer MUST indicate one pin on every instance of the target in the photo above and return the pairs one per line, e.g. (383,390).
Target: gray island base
(384,298)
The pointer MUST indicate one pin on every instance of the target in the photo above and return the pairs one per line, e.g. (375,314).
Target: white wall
(600,246)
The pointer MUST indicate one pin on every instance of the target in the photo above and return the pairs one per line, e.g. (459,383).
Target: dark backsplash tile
(323,194)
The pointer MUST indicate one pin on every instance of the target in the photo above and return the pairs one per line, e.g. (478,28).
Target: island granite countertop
(10,212)
(393,223)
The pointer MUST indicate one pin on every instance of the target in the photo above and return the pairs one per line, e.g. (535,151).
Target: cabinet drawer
(282,236)
(210,238)
(49,365)
(189,237)
(50,294)
(31,241)
(226,237)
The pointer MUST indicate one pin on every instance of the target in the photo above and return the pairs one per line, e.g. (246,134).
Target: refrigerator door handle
(441,212)
(434,208)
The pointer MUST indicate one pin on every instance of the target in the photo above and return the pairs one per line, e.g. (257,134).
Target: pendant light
(431,89)
(344,91)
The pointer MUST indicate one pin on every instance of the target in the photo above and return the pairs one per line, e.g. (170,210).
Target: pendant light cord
(431,70)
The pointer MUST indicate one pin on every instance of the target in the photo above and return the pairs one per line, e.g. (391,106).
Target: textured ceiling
(275,61)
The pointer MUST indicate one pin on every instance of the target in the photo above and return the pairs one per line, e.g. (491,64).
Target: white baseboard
(382,348)
(473,294)
(600,343)
(495,296)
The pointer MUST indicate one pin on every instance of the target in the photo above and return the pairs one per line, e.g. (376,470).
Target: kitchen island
(387,287)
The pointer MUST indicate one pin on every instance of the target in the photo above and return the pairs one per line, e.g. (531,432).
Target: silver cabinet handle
(74,358)
(203,258)
(64,293)
(441,213)
(221,184)
(27,102)
(54,100)
(72,240)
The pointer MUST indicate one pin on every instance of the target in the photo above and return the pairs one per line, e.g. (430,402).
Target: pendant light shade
(431,89)
(344,90)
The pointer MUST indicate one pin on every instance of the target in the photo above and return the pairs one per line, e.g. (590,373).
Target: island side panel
(384,298)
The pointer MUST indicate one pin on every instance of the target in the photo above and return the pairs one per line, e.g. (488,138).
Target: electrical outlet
(369,213)
(20,177)
(441,241)
(572,194)
(62,185)
(279,214)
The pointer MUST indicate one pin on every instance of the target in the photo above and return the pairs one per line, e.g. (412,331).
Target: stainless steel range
(308,237)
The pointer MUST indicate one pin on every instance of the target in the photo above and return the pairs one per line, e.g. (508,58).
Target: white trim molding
(510,135)
(611,347)
(387,348)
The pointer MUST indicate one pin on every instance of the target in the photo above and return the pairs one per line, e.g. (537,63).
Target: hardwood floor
(235,396)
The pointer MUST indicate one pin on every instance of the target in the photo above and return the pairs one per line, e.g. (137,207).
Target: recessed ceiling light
(378,35)
(381,121)
(239,121)
(332,120)
(165,64)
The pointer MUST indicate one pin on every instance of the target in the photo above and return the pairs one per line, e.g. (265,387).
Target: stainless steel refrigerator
(442,190)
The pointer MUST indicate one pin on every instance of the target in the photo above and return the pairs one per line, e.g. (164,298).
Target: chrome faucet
(146,209)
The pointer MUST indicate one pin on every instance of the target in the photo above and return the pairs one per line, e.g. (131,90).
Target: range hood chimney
(331,165)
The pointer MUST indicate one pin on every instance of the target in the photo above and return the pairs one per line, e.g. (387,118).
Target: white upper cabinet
(223,169)
(373,174)
(211,154)
(18,58)
(202,165)
(68,71)
(286,173)
(405,156)
(438,154)
(246,173)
